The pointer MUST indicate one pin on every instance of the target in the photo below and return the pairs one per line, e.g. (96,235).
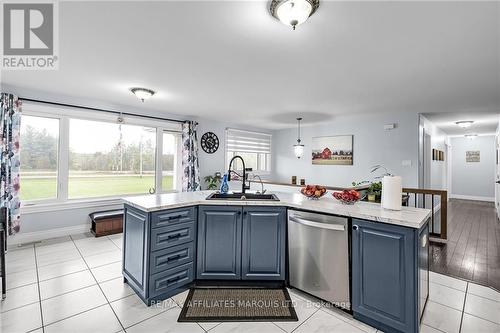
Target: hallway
(473,248)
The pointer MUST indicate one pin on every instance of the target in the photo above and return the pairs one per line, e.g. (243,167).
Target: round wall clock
(209,142)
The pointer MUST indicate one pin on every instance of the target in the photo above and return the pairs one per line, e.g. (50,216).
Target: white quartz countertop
(408,216)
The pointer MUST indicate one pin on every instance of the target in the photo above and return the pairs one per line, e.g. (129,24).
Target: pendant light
(298,148)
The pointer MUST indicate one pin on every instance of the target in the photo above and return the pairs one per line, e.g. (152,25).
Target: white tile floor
(74,284)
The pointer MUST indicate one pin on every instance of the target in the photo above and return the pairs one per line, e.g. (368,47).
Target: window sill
(41,207)
(68,205)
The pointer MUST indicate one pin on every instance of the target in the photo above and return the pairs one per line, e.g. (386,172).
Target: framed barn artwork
(332,150)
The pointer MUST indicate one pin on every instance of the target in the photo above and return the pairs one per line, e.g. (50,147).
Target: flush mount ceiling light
(464,123)
(293,12)
(142,93)
(298,148)
(471,136)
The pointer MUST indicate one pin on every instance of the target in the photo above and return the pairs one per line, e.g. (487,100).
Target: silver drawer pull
(336,227)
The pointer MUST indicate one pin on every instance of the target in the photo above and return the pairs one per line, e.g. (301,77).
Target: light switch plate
(406,163)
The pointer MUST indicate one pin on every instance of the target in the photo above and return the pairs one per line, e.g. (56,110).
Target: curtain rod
(101,110)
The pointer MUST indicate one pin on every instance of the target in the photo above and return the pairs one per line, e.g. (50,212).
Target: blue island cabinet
(386,274)
(241,243)
(263,243)
(159,251)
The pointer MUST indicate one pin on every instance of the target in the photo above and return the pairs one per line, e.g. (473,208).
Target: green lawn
(85,187)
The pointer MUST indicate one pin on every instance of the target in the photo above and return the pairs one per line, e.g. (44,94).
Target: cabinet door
(135,248)
(263,243)
(384,276)
(219,243)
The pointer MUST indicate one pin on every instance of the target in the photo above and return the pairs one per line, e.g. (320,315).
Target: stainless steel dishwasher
(318,252)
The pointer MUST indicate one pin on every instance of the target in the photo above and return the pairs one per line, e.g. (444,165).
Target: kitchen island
(172,241)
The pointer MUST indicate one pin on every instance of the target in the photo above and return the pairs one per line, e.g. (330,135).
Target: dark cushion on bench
(96,216)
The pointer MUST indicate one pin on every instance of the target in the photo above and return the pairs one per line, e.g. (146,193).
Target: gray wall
(372,145)
(473,179)
(68,218)
(211,163)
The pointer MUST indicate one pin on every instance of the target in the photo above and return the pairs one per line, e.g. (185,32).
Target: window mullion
(178,171)
(63,160)
(158,160)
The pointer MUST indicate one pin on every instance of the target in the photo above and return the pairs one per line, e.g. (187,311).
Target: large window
(108,159)
(254,147)
(39,143)
(78,154)
(170,160)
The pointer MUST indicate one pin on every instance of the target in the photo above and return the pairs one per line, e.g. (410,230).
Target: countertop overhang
(407,216)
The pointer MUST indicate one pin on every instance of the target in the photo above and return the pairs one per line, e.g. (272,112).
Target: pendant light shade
(465,123)
(298,149)
(142,93)
(293,12)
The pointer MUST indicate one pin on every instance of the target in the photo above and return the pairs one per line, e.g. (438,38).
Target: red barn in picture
(332,150)
(326,154)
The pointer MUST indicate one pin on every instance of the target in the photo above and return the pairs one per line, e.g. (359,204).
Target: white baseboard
(35,236)
(472,197)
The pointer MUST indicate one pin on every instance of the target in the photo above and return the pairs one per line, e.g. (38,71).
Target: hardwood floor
(473,248)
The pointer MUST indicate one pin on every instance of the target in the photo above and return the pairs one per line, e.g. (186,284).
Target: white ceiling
(484,122)
(231,60)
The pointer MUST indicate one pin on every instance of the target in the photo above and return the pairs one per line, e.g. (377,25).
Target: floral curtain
(190,165)
(10,127)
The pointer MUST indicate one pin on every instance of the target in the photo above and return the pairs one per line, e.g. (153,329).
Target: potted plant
(374,191)
(213,182)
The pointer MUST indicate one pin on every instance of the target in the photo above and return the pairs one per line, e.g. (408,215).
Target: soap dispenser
(224,186)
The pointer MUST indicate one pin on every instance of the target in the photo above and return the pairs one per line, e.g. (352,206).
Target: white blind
(246,141)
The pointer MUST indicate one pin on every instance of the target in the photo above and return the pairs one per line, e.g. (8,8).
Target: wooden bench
(107,222)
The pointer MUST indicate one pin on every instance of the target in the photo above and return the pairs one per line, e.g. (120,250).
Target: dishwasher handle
(336,227)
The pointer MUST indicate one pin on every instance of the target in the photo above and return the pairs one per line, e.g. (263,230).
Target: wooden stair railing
(443,232)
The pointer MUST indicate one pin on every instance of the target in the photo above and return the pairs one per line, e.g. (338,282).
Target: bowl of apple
(347,197)
(313,192)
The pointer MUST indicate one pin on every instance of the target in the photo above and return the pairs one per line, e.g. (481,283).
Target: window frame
(177,161)
(268,158)
(57,198)
(64,114)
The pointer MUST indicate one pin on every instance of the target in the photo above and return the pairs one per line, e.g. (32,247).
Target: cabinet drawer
(177,234)
(171,257)
(170,279)
(172,216)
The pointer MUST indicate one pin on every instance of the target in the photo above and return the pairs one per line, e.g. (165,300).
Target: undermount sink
(243,197)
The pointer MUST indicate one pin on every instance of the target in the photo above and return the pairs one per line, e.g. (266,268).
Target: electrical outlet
(406,163)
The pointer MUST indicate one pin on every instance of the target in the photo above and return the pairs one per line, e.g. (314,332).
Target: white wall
(372,145)
(57,222)
(473,180)
(438,169)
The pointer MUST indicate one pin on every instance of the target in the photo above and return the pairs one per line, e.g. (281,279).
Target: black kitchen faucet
(244,187)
